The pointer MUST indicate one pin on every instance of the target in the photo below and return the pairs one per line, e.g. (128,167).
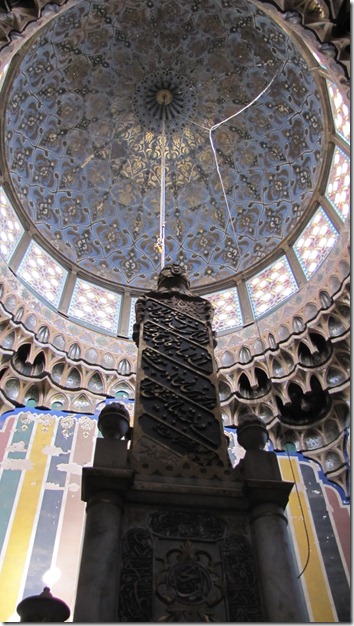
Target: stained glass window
(42,273)
(338,187)
(11,229)
(271,286)
(315,242)
(95,305)
(340,111)
(227,309)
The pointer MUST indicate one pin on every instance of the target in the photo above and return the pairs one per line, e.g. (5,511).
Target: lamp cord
(302,515)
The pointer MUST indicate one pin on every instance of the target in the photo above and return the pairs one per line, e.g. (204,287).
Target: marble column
(281,592)
(96,599)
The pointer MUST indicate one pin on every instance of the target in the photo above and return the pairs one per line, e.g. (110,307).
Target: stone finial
(251,432)
(43,608)
(113,421)
(173,278)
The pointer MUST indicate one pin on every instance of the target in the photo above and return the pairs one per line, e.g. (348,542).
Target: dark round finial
(113,421)
(252,434)
(43,608)
(173,278)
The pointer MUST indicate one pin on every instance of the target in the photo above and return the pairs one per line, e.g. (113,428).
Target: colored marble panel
(341,524)
(5,435)
(14,564)
(47,527)
(310,562)
(328,546)
(67,550)
(10,478)
(44,540)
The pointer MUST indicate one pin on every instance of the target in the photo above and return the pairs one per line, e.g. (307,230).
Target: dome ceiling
(99,91)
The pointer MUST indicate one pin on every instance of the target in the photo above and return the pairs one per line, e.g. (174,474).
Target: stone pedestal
(185,551)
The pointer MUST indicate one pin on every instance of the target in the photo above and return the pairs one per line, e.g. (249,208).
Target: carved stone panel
(241,583)
(179,413)
(189,582)
(184,525)
(177,347)
(172,375)
(177,399)
(187,566)
(135,587)
(177,321)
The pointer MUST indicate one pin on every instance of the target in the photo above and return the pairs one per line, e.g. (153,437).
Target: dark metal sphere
(113,421)
(252,433)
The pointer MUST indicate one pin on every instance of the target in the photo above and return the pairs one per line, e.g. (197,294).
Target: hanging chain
(160,244)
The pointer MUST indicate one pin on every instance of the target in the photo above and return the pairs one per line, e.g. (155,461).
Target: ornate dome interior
(159,132)
(244,138)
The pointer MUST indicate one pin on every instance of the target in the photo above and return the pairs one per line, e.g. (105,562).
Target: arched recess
(26,363)
(277,368)
(30,322)
(9,341)
(12,389)
(73,379)
(59,342)
(43,334)
(227,359)
(336,376)
(225,390)
(253,384)
(304,408)
(91,356)
(313,439)
(39,364)
(33,396)
(57,372)
(314,350)
(58,402)
(82,404)
(336,326)
(332,430)
(108,361)
(22,359)
(287,436)
(10,303)
(74,352)
(95,384)
(124,367)
(19,314)
(245,355)
(122,389)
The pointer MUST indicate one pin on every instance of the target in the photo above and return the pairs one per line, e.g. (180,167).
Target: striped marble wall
(41,512)
(319,521)
(41,515)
